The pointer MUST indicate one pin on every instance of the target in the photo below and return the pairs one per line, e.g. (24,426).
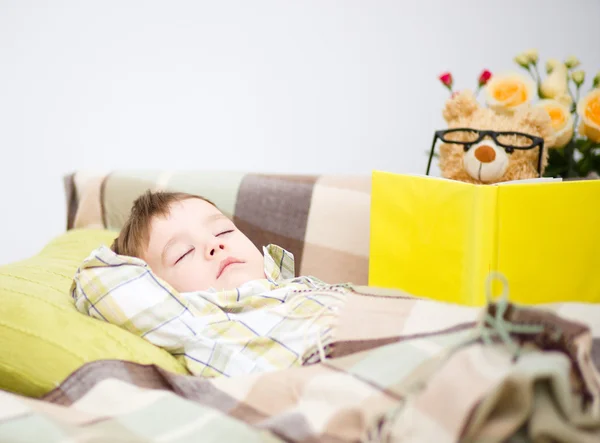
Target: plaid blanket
(262,325)
(502,373)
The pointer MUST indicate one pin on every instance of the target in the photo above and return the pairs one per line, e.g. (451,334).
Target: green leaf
(556,169)
(558,163)
(583,145)
(585,166)
(596,161)
(557,157)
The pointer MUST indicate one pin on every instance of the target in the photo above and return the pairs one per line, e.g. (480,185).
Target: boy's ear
(461,105)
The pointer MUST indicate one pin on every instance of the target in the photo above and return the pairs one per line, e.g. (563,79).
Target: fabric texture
(389,378)
(263,325)
(43,338)
(323,220)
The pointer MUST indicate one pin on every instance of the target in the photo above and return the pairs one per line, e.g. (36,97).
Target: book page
(433,238)
(531,180)
(510,182)
(548,241)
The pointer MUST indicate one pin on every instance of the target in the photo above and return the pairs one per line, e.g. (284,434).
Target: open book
(440,238)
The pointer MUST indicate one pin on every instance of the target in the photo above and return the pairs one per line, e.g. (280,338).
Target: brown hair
(134,234)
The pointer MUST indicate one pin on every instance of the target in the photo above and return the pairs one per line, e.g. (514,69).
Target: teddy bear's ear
(460,105)
(538,120)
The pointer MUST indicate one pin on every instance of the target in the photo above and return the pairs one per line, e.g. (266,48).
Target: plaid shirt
(263,325)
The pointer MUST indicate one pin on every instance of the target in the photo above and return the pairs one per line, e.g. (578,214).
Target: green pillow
(43,338)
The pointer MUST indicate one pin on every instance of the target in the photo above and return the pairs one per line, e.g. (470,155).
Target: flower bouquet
(575,113)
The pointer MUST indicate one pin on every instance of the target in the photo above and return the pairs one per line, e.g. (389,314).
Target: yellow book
(440,239)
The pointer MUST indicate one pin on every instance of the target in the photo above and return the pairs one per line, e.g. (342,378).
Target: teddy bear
(493,147)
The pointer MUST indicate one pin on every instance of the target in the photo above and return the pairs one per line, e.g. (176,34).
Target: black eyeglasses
(509,140)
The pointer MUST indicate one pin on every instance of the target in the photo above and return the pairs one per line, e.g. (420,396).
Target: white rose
(556,84)
(578,77)
(551,64)
(572,62)
(532,55)
(565,99)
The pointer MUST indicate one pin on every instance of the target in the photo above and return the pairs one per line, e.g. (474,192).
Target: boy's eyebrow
(216,216)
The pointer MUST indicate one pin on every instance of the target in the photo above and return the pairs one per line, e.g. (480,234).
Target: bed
(444,373)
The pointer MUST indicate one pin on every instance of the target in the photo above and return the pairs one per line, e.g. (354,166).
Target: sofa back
(322,219)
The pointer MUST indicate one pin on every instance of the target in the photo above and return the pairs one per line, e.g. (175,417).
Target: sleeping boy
(182,276)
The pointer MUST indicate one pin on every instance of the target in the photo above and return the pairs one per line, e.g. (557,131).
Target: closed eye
(184,255)
(225,232)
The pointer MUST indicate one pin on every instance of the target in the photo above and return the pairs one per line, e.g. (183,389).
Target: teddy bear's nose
(485,154)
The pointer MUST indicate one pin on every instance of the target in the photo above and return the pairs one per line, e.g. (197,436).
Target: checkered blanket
(439,372)
(263,325)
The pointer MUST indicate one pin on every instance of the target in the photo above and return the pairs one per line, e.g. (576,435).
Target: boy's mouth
(225,263)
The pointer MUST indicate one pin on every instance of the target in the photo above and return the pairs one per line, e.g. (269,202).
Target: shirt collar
(279,263)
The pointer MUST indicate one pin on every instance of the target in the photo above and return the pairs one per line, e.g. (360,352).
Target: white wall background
(307,86)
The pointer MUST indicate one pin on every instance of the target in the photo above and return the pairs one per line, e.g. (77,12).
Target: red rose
(446,79)
(484,77)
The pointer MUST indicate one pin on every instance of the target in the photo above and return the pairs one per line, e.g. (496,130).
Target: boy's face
(196,248)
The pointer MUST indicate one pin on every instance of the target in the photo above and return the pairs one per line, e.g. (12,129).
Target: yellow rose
(507,92)
(588,109)
(562,121)
(556,84)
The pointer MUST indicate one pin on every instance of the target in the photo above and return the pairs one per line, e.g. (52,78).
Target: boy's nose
(213,249)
